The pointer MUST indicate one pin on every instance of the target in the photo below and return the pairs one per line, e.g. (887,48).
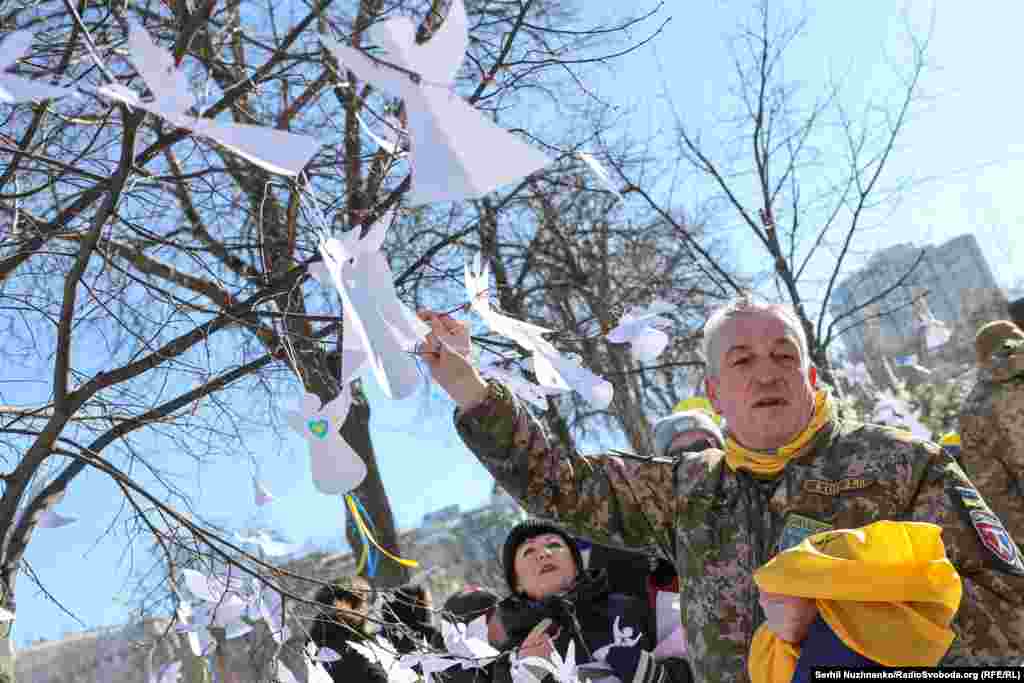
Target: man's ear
(712,388)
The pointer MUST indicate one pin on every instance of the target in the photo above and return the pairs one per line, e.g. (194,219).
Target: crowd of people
(765,535)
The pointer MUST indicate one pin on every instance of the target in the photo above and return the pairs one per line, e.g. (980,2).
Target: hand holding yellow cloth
(887,590)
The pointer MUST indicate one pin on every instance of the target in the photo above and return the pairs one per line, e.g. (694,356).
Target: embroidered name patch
(834,488)
(798,528)
(1003,553)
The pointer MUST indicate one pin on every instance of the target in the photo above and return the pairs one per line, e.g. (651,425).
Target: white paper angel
(455,152)
(168,673)
(551,368)
(15,89)
(261,493)
(469,642)
(50,518)
(600,172)
(277,151)
(392,147)
(268,545)
(533,394)
(857,374)
(383,653)
(378,328)
(620,638)
(268,605)
(6,615)
(638,328)
(893,410)
(314,670)
(336,468)
(564,670)
(220,604)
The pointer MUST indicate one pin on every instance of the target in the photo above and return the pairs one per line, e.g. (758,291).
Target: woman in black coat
(342,620)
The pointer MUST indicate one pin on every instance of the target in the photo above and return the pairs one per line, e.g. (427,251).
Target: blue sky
(964,148)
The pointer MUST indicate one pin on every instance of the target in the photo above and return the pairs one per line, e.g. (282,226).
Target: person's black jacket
(585,614)
(353,667)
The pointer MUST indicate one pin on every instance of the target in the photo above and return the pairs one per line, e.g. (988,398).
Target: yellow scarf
(886,590)
(736,456)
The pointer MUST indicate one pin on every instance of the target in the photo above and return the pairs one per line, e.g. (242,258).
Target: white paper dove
(394,148)
(15,89)
(620,638)
(6,614)
(552,369)
(48,519)
(600,172)
(336,468)
(261,493)
(269,546)
(638,329)
(314,671)
(277,151)
(564,670)
(455,151)
(533,394)
(469,642)
(378,328)
(220,605)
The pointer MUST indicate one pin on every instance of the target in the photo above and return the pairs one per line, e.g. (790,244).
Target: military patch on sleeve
(797,528)
(1003,553)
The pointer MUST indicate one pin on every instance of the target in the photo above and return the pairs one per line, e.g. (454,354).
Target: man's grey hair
(786,314)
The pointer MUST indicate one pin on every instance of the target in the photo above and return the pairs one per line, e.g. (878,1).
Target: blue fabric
(822,647)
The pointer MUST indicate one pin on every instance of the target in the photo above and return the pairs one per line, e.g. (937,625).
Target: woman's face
(543,566)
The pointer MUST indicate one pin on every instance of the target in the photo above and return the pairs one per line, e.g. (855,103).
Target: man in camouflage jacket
(721,517)
(992,423)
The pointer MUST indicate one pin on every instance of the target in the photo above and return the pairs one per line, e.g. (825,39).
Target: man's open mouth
(770,402)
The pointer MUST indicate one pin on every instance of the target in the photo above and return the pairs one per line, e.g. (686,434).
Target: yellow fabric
(759,462)
(368,536)
(887,590)
(950,439)
(698,403)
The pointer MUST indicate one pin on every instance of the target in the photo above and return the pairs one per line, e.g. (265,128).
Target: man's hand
(446,352)
(787,616)
(538,643)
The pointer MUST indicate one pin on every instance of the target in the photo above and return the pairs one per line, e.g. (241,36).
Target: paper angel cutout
(552,369)
(600,172)
(168,673)
(892,410)
(620,638)
(383,653)
(378,328)
(270,607)
(15,89)
(429,664)
(469,642)
(261,493)
(335,466)
(269,546)
(455,151)
(564,670)
(6,615)
(220,605)
(325,654)
(314,671)
(277,151)
(638,329)
(857,374)
(533,394)
(48,519)
(394,148)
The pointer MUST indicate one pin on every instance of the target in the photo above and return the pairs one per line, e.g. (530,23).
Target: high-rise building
(961,292)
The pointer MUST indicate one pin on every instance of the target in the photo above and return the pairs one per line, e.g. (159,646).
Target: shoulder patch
(797,528)
(1003,553)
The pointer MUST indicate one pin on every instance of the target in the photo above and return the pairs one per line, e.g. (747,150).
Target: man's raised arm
(604,498)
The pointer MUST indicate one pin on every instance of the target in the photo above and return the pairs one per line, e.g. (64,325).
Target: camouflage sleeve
(991,433)
(603,498)
(990,622)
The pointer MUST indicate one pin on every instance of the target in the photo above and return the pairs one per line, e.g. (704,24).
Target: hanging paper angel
(620,638)
(638,328)
(392,147)
(600,172)
(314,672)
(220,605)
(382,652)
(277,151)
(336,468)
(564,670)
(551,368)
(15,89)
(168,673)
(378,328)
(51,519)
(261,493)
(455,151)
(268,605)
(268,545)
(534,394)
(895,411)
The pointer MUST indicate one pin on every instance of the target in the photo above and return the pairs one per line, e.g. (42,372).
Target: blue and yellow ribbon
(368,558)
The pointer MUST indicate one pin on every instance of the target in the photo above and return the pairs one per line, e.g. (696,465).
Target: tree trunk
(356,432)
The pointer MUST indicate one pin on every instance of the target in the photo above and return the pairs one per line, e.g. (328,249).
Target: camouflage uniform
(720,525)
(992,436)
